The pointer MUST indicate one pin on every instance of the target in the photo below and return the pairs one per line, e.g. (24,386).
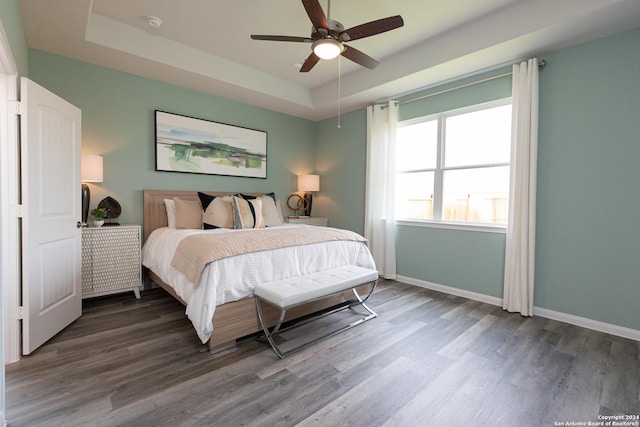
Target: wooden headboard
(155,212)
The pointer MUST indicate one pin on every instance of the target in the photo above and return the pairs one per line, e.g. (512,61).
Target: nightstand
(310,220)
(111,260)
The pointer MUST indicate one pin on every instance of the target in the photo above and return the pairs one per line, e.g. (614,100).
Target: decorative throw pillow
(247,213)
(270,213)
(170,205)
(188,213)
(248,197)
(279,209)
(218,211)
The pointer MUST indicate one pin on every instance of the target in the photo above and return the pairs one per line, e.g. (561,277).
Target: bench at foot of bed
(288,293)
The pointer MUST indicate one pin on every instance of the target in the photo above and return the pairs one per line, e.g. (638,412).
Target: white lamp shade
(327,48)
(308,182)
(91,168)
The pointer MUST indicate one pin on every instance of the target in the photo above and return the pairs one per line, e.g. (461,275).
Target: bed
(221,305)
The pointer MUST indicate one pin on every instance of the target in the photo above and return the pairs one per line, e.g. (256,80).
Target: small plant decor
(99,213)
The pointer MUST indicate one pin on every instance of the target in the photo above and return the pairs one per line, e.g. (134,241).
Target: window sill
(451,225)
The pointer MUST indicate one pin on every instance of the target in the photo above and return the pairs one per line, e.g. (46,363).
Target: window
(454,166)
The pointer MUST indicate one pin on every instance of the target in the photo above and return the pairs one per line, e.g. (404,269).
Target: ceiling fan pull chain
(339,83)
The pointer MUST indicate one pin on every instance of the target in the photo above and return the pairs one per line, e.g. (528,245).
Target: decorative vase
(98,223)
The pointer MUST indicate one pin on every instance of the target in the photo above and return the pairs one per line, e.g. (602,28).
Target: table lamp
(90,171)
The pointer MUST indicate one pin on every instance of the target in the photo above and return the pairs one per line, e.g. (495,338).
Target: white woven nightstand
(111,260)
(310,220)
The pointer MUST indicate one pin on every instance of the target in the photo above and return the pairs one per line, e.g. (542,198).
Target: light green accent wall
(473,261)
(588,237)
(341,164)
(118,123)
(491,90)
(12,23)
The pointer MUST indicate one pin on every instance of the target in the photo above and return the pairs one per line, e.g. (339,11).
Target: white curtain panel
(521,230)
(380,192)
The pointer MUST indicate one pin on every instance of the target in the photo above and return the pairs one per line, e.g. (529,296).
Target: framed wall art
(190,145)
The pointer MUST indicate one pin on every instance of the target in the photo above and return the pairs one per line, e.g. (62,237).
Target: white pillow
(170,205)
(270,212)
(279,208)
(188,214)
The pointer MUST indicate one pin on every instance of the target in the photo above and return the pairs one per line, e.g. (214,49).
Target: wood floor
(429,359)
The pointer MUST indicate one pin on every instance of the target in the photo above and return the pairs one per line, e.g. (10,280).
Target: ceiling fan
(328,37)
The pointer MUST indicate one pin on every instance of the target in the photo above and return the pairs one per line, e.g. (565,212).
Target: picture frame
(190,145)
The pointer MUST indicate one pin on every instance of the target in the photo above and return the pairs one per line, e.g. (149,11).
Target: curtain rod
(541,65)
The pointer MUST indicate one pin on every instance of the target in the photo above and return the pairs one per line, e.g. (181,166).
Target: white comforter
(233,278)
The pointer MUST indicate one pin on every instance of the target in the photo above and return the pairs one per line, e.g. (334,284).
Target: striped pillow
(247,213)
(271,211)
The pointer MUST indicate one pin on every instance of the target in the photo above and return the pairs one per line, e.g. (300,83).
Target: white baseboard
(450,290)
(584,322)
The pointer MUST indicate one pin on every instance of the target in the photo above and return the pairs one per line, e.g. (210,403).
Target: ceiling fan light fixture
(327,48)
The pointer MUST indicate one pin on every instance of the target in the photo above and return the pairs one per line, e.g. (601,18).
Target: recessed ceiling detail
(206,46)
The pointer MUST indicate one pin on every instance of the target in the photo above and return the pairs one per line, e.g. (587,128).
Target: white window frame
(437,221)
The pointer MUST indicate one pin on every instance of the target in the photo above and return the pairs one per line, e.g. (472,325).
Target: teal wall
(451,98)
(341,164)
(588,238)
(468,260)
(12,23)
(118,123)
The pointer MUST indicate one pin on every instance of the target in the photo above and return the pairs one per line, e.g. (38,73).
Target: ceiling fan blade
(281,38)
(309,63)
(359,57)
(372,28)
(316,14)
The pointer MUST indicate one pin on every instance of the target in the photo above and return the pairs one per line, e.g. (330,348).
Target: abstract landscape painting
(187,144)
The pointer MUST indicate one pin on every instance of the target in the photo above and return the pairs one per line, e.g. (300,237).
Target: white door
(51,241)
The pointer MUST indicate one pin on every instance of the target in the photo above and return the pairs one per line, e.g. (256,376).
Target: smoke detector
(154,21)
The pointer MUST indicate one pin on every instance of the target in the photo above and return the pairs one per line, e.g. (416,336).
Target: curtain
(521,230)
(379,227)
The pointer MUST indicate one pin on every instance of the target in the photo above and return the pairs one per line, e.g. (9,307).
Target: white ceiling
(204,45)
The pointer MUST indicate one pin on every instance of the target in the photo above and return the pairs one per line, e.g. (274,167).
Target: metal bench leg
(265,328)
(360,301)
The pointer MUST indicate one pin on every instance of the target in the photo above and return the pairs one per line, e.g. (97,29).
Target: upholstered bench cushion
(297,290)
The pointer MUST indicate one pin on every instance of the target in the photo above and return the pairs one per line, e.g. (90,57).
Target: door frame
(9,221)
(9,205)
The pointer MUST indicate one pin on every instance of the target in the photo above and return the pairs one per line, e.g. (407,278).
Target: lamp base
(86,196)
(309,198)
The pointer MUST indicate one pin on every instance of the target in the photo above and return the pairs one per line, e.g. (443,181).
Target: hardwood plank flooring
(429,359)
